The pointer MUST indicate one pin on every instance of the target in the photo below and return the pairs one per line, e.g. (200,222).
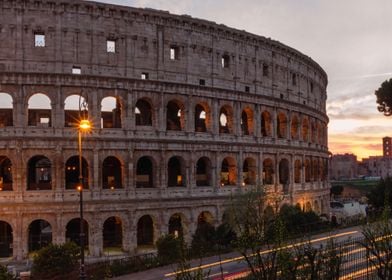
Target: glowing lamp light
(84,125)
(79,188)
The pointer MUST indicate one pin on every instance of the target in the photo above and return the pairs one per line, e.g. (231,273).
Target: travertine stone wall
(259,76)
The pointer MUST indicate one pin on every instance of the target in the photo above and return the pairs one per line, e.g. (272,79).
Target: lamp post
(84,126)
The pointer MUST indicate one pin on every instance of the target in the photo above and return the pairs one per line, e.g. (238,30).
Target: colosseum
(185,113)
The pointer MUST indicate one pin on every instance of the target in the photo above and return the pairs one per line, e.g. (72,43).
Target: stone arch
(305,129)
(228,174)
(145,231)
(6,172)
(316,170)
(145,167)
(143,112)
(178,225)
(202,117)
(39,234)
(313,131)
(249,171)
(268,171)
(226,124)
(247,121)
(111,112)
(72,172)
(320,136)
(39,173)
(112,171)
(6,110)
(281,128)
(176,172)
(294,127)
(6,240)
(72,231)
(266,124)
(175,115)
(284,174)
(112,233)
(297,171)
(75,108)
(39,110)
(203,172)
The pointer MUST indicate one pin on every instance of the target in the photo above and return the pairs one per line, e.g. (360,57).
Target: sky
(350,39)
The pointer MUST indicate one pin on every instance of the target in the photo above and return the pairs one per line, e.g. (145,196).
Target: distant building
(387,147)
(376,166)
(343,167)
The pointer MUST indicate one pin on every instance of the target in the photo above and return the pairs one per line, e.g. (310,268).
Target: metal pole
(82,274)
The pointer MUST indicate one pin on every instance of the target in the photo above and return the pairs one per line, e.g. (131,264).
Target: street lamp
(84,126)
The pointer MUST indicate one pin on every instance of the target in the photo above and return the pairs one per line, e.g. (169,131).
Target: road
(233,262)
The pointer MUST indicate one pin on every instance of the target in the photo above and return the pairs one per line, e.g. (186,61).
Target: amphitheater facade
(186,112)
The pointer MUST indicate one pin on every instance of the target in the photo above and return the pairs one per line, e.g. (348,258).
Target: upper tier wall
(76,35)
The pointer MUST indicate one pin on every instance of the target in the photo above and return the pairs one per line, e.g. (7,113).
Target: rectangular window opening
(76,70)
(202,82)
(111,46)
(247,89)
(225,61)
(174,53)
(265,70)
(144,76)
(311,87)
(39,40)
(294,80)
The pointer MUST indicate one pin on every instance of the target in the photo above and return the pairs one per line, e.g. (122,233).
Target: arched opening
(225,120)
(314,131)
(284,174)
(39,110)
(176,172)
(176,225)
(294,127)
(6,110)
(39,175)
(143,113)
(228,174)
(40,235)
(316,207)
(268,171)
(203,172)
(308,207)
(247,121)
(110,112)
(111,173)
(200,119)
(266,124)
(5,174)
(6,240)
(320,133)
(75,108)
(297,171)
(307,170)
(112,234)
(72,173)
(174,116)
(205,217)
(145,231)
(281,125)
(316,170)
(305,129)
(249,172)
(72,233)
(144,173)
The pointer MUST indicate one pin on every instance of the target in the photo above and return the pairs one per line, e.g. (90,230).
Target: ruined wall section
(76,35)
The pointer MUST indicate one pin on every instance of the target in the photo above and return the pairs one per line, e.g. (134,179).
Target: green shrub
(4,274)
(169,248)
(56,261)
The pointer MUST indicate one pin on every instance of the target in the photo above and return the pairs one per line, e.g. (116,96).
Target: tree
(384,98)
(4,274)
(337,190)
(169,248)
(381,193)
(56,261)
